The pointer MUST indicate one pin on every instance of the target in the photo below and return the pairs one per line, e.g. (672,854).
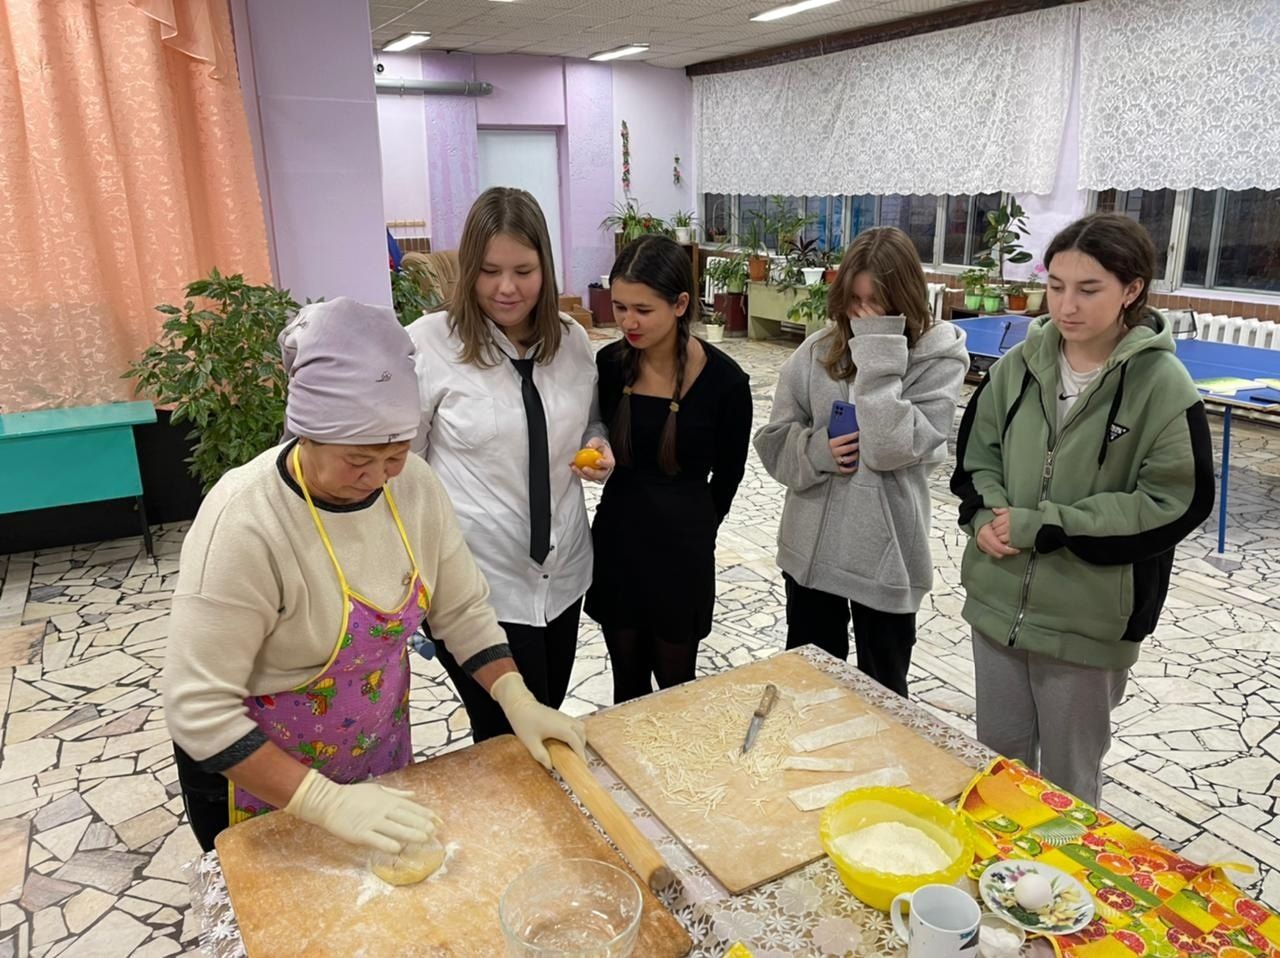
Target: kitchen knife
(757,719)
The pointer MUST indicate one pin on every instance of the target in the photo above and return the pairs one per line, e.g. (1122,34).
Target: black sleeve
(608,384)
(733,435)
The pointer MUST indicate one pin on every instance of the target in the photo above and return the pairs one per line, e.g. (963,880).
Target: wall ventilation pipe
(402,85)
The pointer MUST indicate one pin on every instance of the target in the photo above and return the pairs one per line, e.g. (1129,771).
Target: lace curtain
(976,109)
(1179,94)
(126,171)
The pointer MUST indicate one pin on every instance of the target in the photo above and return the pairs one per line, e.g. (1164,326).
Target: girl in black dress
(680,419)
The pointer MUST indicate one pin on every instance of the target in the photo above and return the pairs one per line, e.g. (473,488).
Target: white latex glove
(364,813)
(533,722)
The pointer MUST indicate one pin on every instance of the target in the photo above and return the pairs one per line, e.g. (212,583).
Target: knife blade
(757,718)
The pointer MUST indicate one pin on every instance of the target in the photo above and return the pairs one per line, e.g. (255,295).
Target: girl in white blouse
(508,390)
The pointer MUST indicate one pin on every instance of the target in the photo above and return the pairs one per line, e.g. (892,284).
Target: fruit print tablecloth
(1150,901)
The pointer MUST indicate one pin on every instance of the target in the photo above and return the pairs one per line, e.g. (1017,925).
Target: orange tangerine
(1116,864)
(588,458)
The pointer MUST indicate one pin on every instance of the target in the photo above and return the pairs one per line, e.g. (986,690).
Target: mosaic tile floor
(92,841)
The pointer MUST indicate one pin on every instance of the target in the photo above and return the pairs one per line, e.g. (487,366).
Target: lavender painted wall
(402,128)
(318,135)
(657,105)
(527,91)
(453,157)
(587,192)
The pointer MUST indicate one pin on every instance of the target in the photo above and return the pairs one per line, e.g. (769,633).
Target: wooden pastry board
(298,891)
(756,833)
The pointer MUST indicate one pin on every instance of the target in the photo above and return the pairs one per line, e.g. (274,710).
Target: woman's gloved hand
(364,813)
(533,722)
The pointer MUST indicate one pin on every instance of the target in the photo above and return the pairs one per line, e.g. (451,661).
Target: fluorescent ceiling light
(406,41)
(628,50)
(777,13)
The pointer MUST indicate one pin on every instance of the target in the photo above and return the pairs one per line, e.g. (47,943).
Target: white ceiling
(679,32)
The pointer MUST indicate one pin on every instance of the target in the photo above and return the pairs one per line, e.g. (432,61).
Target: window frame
(935,264)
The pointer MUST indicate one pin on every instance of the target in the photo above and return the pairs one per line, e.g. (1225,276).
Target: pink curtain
(126,170)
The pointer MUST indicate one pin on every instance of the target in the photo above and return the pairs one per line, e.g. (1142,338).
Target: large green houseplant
(218,365)
(1006,226)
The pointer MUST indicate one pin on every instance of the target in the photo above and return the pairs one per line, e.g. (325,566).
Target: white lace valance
(1179,94)
(976,109)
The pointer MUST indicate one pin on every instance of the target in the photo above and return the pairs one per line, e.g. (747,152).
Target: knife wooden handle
(767,700)
(639,851)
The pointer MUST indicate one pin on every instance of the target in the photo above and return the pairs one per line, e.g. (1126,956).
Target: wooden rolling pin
(639,851)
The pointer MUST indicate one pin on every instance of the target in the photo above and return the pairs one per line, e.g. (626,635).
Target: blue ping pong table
(990,337)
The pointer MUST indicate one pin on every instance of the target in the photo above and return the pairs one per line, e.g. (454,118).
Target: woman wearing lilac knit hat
(303,576)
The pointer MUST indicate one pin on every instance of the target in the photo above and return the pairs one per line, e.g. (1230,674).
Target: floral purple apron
(351,721)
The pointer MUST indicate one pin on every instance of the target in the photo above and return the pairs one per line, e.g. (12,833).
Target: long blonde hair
(515,213)
(889,256)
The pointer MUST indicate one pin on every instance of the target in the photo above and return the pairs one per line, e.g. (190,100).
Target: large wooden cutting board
(297,891)
(756,833)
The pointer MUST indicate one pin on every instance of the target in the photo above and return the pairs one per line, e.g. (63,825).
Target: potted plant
(407,296)
(1035,288)
(974,280)
(991,299)
(218,365)
(831,261)
(1006,226)
(628,222)
(682,225)
(757,257)
(1016,293)
(811,310)
(805,264)
(730,272)
(714,328)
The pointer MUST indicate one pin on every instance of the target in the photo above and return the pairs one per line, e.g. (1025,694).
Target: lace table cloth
(807,914)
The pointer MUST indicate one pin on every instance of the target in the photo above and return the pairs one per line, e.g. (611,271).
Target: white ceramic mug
(944,922)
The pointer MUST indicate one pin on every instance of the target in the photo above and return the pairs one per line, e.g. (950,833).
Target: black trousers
(883,639)
(544,655)
(206,798)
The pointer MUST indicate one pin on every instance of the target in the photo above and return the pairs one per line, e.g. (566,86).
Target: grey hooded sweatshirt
(864,536)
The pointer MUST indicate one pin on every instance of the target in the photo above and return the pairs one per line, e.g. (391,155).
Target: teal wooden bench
(62,457)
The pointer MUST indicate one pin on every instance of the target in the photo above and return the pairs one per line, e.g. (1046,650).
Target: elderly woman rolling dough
(303,576)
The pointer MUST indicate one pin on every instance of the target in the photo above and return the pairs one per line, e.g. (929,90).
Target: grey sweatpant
(1053,716)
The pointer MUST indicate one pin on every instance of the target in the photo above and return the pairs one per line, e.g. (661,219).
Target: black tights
(638,656)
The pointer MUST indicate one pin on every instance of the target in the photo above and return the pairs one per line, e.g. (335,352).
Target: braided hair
(661,264)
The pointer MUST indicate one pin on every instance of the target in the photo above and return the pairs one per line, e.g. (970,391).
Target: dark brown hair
(503,210)
(889,256)
(1121,246)
(662,265)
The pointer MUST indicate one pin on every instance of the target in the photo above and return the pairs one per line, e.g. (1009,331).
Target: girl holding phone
(854,537)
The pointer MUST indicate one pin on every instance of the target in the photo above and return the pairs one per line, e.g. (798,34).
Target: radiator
(1217,328)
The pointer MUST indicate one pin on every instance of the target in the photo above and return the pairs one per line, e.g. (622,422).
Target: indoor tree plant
(407,296)
(1006,226)
(218,365)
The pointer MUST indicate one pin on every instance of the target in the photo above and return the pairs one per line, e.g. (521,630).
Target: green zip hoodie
(1096,506)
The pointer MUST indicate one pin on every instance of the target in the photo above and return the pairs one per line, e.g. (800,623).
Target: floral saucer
(1069,911)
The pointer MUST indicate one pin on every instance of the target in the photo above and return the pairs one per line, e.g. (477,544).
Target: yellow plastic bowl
(856,810)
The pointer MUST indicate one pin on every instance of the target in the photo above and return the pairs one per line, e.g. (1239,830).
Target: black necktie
(539,464)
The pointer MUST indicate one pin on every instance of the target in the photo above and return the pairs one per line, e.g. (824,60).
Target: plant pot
(811,274)
(713,332)
(1018,302)
(683,233)
(758,268)
(1035,299)
(737,287)
(829,275)
(973,301)
(991,304)
(732,306)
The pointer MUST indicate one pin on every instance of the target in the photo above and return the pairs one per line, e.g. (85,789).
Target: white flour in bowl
(893,848)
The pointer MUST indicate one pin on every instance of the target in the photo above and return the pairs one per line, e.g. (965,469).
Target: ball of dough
(412,865)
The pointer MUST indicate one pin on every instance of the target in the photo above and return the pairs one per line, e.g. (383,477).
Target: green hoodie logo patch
(1115,431)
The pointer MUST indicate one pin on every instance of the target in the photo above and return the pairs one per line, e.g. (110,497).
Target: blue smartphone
(844,419)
